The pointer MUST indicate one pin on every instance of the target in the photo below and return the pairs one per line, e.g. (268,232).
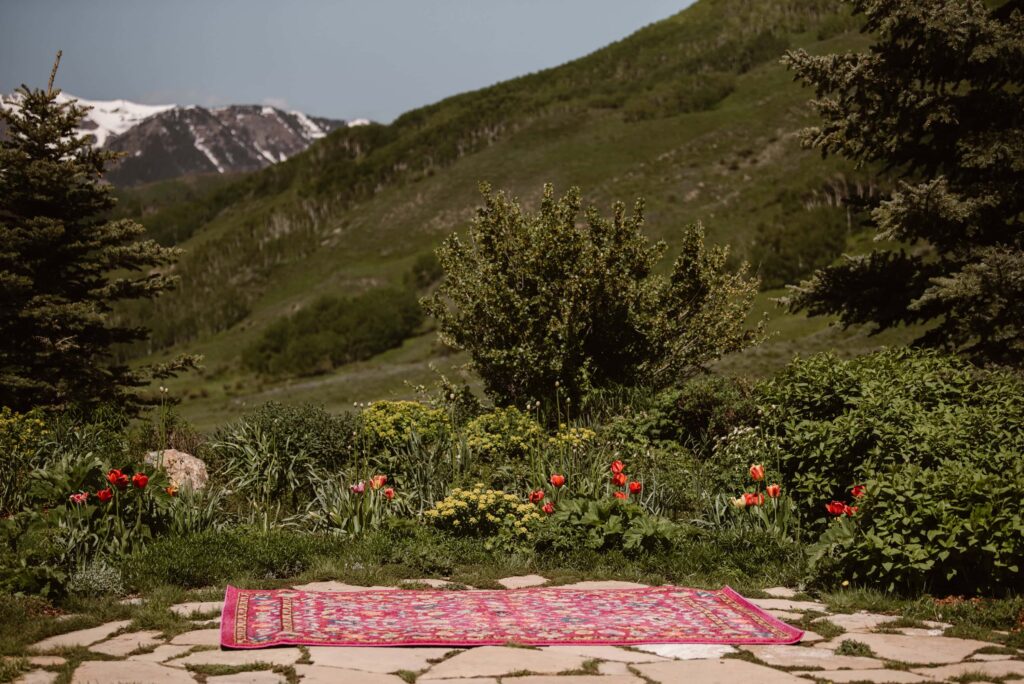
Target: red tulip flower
(378,481)
(140,480)
(117,478)
(849,510)
(836,508)
(618,467)
(548,508)
(858,491)
(105,495)
(635,487)
(537,496)
(620,495)
(752,499)
(557,480)
(619,479)
(757,472)
(773,491)
(389,493)
(80,498)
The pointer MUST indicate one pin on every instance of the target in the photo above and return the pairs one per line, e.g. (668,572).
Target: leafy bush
(393,424)
(330,440)
(831,424)
(215,557)
(503,434)
(21,436)
(540,299)
(332,332)
(605,525)
(97,578)
(480,512)
(954,528)
(352,509)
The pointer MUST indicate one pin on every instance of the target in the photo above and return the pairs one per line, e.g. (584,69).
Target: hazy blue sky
(342,58)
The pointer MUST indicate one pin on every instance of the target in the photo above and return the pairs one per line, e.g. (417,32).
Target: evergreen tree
(938,101)
(63,265)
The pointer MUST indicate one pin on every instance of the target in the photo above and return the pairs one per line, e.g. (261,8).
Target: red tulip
(389,493)
(836,508)
(378,481)
(618,467)
(752,499)
(773,491)
(557,480)
(117,478)
(140,480)
(757,472)
(79,498)
(849,510)
(620,495)
(858,491)
(548,508)
(635,487)
(619,479)
(105,495)
(537,496)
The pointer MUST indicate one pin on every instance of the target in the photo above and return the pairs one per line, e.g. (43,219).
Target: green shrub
(606,525)
(214,557)
(567,296)
(21,438)
(332,332)
(503,434)
(952,529)
(329,440)
(481,512)
(393,424)
(831,424)
(97,578)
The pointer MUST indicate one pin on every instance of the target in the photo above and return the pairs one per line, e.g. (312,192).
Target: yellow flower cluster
(503,433)
(20,430)
(573,438)
(393,423)
(483,512)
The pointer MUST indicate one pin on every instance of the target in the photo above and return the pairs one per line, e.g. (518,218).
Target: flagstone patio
(909,655)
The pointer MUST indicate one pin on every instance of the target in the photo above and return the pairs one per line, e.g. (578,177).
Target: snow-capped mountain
(166,141)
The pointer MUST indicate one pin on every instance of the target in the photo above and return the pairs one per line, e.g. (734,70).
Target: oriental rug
(546,616)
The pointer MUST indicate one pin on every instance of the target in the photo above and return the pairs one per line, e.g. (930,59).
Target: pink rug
(545,616)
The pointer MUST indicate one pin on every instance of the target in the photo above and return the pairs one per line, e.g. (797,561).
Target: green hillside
(694,113)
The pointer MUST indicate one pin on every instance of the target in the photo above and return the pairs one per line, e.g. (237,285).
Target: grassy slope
(725,166)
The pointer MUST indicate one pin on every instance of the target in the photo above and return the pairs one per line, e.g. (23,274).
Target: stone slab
(123,644)
(876,676)
(799,656)
(128,672)
(613,668)
(572,679)
(924,650)
(810,637)
(198,637)
(780,592)
(727,671)
(270,656)
(254,677)
(381,660)
(432,583)
(83,637)
(785,614)
(161,653)
(197,608)
(859,622)
(37,677)
(314,674)
(496,661)
(687,651)
(788,604)
(994,668)
(605,653)
(522,581)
